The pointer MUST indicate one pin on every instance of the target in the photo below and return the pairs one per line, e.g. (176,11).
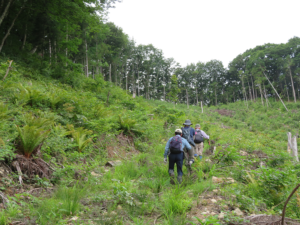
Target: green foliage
(3,111)
(174,90)
(31,137)
(126,124)
(80,138)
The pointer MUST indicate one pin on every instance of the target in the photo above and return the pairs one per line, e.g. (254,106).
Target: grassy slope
(138,191)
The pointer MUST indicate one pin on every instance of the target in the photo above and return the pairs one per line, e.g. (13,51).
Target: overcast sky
(202,30)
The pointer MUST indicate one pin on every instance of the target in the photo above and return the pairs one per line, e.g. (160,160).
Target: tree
(174,90)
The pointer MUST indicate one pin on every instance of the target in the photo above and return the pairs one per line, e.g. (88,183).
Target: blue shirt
(184,144)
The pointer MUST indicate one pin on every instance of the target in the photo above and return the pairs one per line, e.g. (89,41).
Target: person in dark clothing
(174,148)
(188,133)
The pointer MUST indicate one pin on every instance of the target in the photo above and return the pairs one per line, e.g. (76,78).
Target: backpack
(175,145)
(198,137)
(186,133)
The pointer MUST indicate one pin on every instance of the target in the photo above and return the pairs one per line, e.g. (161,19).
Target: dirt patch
(225,112)
(260,154)
(121,146)
(211,149)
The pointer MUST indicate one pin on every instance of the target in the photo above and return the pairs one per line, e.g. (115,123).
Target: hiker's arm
(167,148)
(204,134)
(186,144)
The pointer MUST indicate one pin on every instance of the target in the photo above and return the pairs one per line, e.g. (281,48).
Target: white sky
(202,30)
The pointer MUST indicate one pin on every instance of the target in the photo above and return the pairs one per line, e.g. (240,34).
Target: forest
(67,45)
(86,113)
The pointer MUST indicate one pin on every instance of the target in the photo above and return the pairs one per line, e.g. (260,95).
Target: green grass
(141,185)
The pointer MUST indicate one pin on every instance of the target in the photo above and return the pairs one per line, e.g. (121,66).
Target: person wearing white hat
(199,137)
(174,149)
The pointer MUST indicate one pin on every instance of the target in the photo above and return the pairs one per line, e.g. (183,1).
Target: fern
(40,122)
(31,137)
(60,130)
(3,110)
(126,124)
(79,136)
(54,100)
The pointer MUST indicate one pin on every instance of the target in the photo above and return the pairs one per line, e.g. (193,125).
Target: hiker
(188,133)
(174,149)
(199,141)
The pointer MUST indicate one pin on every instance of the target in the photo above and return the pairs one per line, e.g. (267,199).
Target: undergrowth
(79,130)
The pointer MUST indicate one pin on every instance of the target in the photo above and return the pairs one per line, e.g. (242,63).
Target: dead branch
(287,201)
(7,71)
(157,218)
(4,199)
(16,164)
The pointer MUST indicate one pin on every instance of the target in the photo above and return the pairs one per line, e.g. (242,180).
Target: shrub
(80,138)
(31,137)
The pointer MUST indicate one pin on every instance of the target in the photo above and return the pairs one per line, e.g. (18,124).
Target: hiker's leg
(197,148)
(172,160)
(179,164)
(201,146)
(191,154)
(186,160)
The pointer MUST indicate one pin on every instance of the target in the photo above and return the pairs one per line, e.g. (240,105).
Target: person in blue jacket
(174,149)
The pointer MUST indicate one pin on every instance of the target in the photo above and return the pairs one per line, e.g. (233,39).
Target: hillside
(81,128)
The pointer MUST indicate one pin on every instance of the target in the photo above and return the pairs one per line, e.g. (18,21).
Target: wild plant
(40,121)
(3,110)
(211,220)
(126,124)
(175,201)
(31,137)
(70,199)
(55,100)
(80,137)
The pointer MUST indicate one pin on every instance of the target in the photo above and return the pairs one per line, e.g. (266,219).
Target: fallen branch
(4,199)
(157,218)
(287,201)
(7,71)
(275,91)
(16,164)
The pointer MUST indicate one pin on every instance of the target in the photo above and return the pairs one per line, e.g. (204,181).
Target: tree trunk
(216,95)
(50,50)
(25,36)
(55,52)
(201,107)
(294,93)
(244,92)
(289,134)
(261,95)
(250,95)
(276,92)
(67,37)
(265,94)
(287,92)
(109,72)
(253,89)
(126,76)
(138,81)
(293,145)
(196,96)
(86,58)
(5,10)
(11,26)
(187,98)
